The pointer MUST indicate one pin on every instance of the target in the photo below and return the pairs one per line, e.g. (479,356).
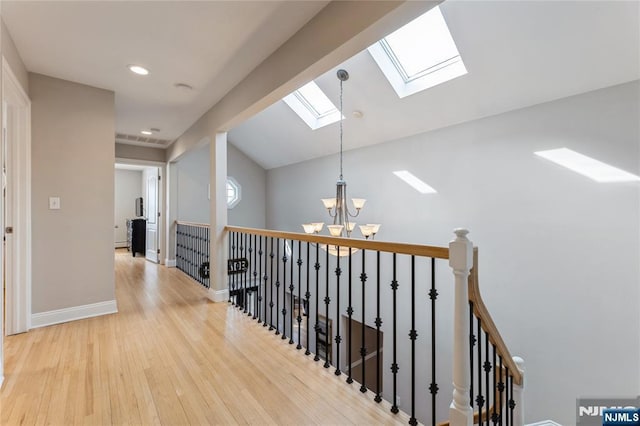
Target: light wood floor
(171,357)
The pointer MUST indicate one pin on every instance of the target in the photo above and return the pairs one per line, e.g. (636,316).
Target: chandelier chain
(341,116)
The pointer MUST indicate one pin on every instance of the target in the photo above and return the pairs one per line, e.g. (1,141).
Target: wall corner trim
(170,263)
(43,319)
(218,295)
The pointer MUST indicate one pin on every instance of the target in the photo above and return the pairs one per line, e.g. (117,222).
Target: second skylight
(313,106)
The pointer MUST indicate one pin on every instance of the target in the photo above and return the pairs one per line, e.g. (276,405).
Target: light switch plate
(54,203)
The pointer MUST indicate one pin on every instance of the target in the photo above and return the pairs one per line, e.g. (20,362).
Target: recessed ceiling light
(146,132)
(587,166)
(415,182)
(138,69)
(183,86)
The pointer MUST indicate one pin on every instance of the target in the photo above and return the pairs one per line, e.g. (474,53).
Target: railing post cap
(461,233)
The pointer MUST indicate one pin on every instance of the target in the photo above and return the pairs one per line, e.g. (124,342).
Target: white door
(152,178)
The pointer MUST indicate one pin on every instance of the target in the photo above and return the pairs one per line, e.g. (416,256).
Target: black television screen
(139,207)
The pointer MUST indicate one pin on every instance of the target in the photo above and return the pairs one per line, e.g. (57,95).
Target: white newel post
(518,395)
(461,261)
(219,291)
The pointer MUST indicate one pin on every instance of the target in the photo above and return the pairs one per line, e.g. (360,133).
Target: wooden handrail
(487,323)
(200,225)
(400,248)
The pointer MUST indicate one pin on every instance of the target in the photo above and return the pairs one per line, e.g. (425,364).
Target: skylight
(587,166)
(313,106)
(415,182)
(420,55)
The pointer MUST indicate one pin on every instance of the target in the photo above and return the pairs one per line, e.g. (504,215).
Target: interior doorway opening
(138,218)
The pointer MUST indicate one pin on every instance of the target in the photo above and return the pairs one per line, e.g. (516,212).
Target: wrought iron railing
(192,250)
(298,287)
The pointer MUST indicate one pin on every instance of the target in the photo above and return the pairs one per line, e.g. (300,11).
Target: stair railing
(192,250)
(312,290)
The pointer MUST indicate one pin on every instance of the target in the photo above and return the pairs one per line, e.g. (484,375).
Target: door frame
(18,303)
(162,188)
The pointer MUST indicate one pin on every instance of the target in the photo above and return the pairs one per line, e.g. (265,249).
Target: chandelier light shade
(337,207)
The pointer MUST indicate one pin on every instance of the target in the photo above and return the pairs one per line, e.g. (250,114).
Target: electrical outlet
(54,203)
(397,400)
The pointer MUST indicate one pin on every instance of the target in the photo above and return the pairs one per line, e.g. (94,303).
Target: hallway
(171,357)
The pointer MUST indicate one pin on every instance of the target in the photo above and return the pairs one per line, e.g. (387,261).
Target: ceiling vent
(141,140)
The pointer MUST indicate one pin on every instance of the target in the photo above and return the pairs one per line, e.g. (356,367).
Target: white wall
(72,158)
(127,189)
(558,252)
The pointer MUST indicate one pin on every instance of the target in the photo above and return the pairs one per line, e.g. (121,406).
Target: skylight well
(313,106)
(420,55)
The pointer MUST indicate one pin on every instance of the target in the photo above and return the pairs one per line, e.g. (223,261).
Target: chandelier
(337,207)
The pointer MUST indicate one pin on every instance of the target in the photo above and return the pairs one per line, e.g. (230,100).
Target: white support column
(461,261)
(518,395)
(218,245)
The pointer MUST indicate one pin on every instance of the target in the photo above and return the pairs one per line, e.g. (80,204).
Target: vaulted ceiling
(518,53)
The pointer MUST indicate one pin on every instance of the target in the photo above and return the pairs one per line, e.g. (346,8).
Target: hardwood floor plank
(171,357)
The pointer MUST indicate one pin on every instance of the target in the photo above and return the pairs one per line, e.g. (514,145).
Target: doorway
(138,201)
(15,212)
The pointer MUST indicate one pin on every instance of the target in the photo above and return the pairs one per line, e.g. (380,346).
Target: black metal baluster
(378,397)
(291,291)
(234,276)
(413,335)
(496,403)
(271,256)
(394,365)
(487,371)
(337,325)
(327,300)
(479,398)
(501,391)
(316,328)
(259,281)
(265,278)
(363,347)
(284,290)
(278,286)
(255,282)
(229,256)
(307,297)
(350,314)
(245,275)
(508,398)
(299,317)
(433,295)
(512,403)
(472,343)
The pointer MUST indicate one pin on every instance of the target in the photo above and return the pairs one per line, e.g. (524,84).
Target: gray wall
(72,158)
(192,190)
(558,252)
(134,152)
(192,181)
(250,212)
(12,56)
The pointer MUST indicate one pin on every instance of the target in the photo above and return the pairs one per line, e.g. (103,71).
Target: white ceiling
(210,45)
(517,53)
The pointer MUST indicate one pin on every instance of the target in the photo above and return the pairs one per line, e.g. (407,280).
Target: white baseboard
(170,263)
(545,423)
(43,319)
(1,381)
(121,245)
(218,295)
